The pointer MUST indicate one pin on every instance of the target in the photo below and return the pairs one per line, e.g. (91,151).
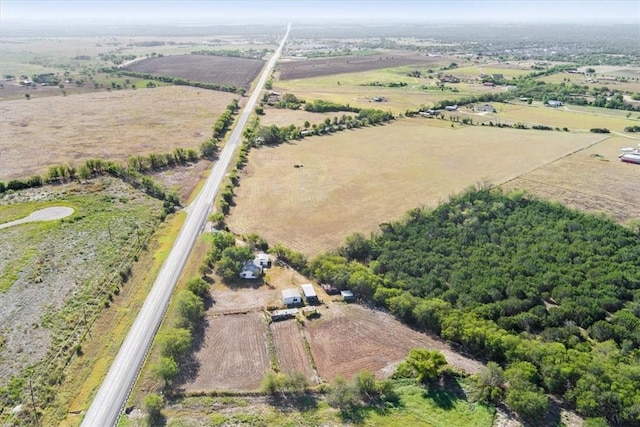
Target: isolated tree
(306,124)
(422,364)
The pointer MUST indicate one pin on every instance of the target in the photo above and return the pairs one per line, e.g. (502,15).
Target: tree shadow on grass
(445,392)
(298,402)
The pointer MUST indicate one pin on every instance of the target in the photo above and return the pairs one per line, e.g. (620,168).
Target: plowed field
(290,350)
(234,354)
(348,339)
(347,64)
(239,72)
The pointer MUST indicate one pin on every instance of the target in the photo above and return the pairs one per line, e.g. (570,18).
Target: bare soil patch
(105,125)
(290,350)
(239,72)
(348,339)
(348,64)
(234,353)
(592,180)
(355,180)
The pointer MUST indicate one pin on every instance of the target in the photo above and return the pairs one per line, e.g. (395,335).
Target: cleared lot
(290,351)
(234,354)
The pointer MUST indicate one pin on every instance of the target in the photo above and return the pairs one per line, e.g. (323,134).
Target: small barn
(250,270)
(291,297)
(309,293)
(347,295)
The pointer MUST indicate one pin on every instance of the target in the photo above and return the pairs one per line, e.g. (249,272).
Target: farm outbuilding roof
(290,293)
(308,290)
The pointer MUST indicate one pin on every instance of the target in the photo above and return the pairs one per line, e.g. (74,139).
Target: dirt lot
(106,125)
(234,354)
(290,351)
(355,180)
(239,72)
(351,338)
(345,339)
(348,64)
(593,180)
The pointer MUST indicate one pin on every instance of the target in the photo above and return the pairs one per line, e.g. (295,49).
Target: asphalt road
(114,391)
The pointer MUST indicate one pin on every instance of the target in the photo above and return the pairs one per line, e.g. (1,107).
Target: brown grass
(593,180)
(49,131)
(355,180)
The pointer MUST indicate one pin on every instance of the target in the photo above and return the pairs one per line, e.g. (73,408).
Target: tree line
(512,280)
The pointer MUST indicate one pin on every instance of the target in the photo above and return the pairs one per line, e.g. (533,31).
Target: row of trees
(512,280)
(221,126)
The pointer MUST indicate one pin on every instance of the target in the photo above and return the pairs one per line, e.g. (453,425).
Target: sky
(310,11)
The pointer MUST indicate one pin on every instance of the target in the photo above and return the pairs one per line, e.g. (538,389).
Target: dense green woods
(514,280)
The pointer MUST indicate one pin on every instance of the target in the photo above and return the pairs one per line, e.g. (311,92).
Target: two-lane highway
(115,389)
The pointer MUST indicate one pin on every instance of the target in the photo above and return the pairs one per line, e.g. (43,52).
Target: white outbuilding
(291,297)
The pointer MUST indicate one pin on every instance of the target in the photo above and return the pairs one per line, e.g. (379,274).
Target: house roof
(250,266)
(290,293)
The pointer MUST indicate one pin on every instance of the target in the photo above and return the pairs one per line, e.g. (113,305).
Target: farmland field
(239,72)
(290,350)
(354,180)
(573,117)
(592,180)
(107,125)
(350,338)
(356,89)
(234,354)
(349,64)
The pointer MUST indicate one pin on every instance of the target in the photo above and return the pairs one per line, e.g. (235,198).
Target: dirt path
(46,214)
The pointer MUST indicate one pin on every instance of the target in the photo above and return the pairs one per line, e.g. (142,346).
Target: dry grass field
(239,72)
(234,354)
(41,132)
(355,180)
(592,180)
(285,117)
(573,117)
